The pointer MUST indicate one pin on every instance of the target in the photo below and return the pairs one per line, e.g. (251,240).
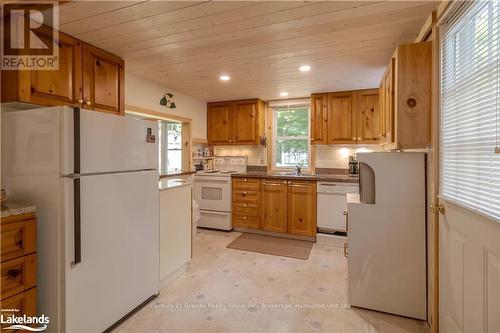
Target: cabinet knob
(244,205)
(88,102)
(13,273)
(353,139)
(245,180)
(359,139)
(80,101)
(244,217)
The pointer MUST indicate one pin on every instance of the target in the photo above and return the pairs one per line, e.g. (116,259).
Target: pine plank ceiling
(187,45)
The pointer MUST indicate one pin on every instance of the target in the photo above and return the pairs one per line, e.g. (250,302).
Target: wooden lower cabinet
(302,208)
(24,303)
(276,205)
(18,265)
(246,203)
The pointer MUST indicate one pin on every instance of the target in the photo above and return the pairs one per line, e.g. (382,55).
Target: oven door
(213,193)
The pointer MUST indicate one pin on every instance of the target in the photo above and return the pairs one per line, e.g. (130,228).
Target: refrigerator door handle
(76,192)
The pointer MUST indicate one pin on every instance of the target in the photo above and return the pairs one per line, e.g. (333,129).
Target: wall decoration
(167,101)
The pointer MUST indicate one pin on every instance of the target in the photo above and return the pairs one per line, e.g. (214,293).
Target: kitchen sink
(294,174)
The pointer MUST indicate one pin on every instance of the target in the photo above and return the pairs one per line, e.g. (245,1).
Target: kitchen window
(470,96)
(290,134)
(170,147)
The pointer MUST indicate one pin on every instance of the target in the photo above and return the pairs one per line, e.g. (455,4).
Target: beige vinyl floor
(225,290)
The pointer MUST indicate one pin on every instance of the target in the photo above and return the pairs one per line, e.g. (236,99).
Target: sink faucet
(298,169)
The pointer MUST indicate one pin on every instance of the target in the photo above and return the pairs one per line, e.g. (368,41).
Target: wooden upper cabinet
(49,87)
(302,208)
(219,131)
(103,81)
(274,205)
(367,116)
(341,117)
(244,122)
(235,122)
(386,101)
(319,106)
(405,97)
(87,77)
(412,95)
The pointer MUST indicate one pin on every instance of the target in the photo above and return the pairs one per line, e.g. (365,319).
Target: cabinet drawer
(246,184)
(246,221)
(246,196)
(18,275)
(243,208)
(23,304)
(18,239)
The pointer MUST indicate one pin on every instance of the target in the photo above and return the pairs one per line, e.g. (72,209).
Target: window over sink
(290,134)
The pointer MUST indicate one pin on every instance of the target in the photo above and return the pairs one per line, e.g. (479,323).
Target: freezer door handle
(76,192)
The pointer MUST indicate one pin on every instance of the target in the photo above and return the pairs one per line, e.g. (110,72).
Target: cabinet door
(244,123)
(218,124)
(319,104)
(341,118)
(388,134)
(381,117)
(103,81)
(24,304)
(56,87)
(274,206)
(302,208)
(367,116)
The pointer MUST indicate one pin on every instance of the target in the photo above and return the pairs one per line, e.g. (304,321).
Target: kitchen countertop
(170,183)
(341,178)
(353,198)
(176,174)
(12,208)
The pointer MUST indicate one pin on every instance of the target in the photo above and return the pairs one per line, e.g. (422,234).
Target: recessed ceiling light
(305,68)
(225,78)
(283,93)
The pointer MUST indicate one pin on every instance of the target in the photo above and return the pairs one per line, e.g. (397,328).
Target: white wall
(326,156)
(338,156)
(146,94)
(256,155)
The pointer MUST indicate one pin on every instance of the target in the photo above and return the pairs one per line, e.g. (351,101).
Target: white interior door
(119,266)
(469,223)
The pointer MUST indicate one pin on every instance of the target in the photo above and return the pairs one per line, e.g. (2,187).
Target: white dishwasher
(331,204)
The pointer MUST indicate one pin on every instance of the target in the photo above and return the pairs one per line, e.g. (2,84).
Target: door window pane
(170,146)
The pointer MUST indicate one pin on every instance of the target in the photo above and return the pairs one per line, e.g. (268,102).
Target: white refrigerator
(94,180)
(387,234)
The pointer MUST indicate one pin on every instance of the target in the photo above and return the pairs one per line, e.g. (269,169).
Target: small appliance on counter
(353,166)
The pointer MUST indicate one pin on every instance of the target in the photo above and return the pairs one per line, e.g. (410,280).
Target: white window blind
(470,160)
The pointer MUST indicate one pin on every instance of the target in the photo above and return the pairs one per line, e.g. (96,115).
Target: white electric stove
(212,191)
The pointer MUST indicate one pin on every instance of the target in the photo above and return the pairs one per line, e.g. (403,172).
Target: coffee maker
(353,166)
